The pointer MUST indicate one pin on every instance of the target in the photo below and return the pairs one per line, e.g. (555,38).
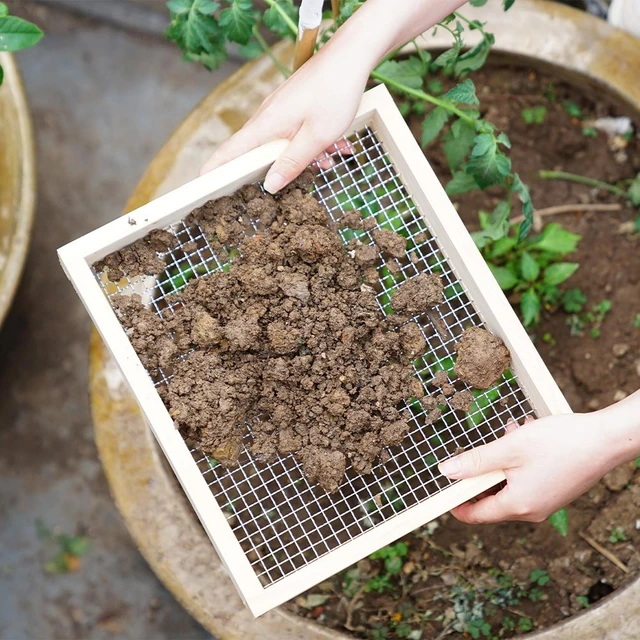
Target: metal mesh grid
(281,521)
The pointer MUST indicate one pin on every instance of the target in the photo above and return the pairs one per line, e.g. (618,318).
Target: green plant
(560,521)
(534,115)
(16,33)
(583,601)
(392,557)
(476,153)
(636,322)
(592,319)
(617,535)
(589,132)
(539,577)
(531,269)
(572,108)
(70,549)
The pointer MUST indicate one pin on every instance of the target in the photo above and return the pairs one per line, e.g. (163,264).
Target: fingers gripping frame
(277,534)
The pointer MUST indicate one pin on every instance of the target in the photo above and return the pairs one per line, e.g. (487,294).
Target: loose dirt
(289,340)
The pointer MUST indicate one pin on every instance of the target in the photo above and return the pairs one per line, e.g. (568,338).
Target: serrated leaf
(529,268)
(474,58)
(522,190)
(560,521)
(238,20)
(448,58)
(461,183)
(634,191)
(4,10)
(464,93)
(433,124)
(506,278)
(409,72)
(556,239)
(559,272)
(488,165)
(530,306)
(17,34)
(179,7)
(458,143)
(502,246)
(274,21)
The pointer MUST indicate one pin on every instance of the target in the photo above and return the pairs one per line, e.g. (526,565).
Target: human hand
(547,462)
(311,109)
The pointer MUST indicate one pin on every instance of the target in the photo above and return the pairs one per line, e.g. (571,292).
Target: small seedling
(583,601)
(392,557)
(524,624)
(549,339)
(560,521)
(534,115)
(589,132)
(70,549)
(617,535)
(572,108)
(636,322)
(539,577)
(593,319)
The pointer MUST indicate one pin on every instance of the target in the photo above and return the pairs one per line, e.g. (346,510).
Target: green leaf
(534,115)
(433,124)
(1,75)
(559,272)
(4,10)
(507,4)
(74,545)
(464,93)
(488,165)
(634,192)
(409,72)
(274,21)
(529,267)
(503,139)
(251,50)
(17,34)
(348,8)
(474,58)
(458,143)
(179,7)
(506,278)
(502,246)
(560,521)
(238,21)
(461,183)
(556,239)
(572,108)
(573,300)
(522,190)
(477,3)
(530,307)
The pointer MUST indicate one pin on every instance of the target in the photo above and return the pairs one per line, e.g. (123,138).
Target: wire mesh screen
(282,521)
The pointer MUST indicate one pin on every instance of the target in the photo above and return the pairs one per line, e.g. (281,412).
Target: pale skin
(548,462)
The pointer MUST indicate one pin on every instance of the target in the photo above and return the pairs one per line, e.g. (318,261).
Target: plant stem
(460,16)
(422,95)
(267,49)
(591,182)
(293,27)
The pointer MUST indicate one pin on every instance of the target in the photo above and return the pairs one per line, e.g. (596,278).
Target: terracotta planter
(567,42)
(17,181)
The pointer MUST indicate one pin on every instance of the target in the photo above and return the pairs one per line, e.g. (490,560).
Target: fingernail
(450,468)
(274,182)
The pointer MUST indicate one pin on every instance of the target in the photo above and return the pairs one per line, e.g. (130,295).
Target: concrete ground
(104,99)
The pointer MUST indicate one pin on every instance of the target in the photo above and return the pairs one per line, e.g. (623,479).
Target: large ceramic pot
(545,34)
(17,181)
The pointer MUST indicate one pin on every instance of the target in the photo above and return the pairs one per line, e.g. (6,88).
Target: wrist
(620,427)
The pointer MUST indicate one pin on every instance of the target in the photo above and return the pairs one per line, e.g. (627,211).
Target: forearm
(381,26)
(623,420)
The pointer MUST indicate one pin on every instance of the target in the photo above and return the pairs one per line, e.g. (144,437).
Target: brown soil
(472,365)
(289,340)
(139,258)
(450,566)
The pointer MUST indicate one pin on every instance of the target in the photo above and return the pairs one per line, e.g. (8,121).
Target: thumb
(296,158)
(488,457)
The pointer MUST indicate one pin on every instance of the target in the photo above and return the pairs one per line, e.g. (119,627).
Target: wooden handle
(335,8)
(305,46)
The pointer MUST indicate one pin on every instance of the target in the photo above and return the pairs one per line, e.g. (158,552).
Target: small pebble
(619,395)
(593,404)
(620,350)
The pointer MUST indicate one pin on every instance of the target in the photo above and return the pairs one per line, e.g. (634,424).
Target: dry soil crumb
(482,358)
(461,401)
(351,220)
(139,258)
(390,243)
(441,380)
(418,294)
(287,340)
